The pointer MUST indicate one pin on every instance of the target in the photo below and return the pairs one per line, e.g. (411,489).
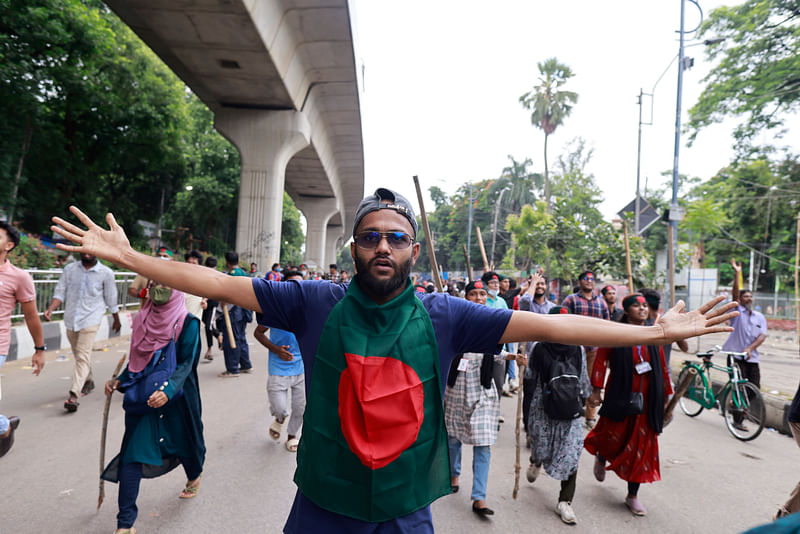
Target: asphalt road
(49,481)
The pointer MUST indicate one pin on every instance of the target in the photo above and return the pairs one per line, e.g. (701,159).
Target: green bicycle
(740,401)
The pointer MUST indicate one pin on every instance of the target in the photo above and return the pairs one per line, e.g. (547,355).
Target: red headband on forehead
(478,284)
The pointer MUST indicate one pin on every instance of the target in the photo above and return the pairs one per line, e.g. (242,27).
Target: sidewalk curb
(55,335)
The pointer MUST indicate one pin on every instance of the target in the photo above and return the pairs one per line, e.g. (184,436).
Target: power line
(755,250)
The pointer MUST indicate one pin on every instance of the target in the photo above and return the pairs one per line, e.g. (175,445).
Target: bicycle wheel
(744,411)
(689,405)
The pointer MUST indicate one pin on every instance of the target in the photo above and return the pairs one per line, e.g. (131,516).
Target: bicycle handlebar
(710,352)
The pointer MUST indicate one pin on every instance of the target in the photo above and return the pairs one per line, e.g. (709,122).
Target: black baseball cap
(385,199)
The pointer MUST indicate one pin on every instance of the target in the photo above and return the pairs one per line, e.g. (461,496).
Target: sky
(441,83)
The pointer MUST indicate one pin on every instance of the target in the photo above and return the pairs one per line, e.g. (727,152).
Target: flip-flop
(291,445)
(275,430)
(191,489)
(87,388)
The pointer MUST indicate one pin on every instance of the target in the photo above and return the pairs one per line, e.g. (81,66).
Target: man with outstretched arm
(379,351)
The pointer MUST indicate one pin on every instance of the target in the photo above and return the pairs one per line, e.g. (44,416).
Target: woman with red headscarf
(170,434)
(632,416)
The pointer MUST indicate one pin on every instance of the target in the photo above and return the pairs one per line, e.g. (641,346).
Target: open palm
(105,244)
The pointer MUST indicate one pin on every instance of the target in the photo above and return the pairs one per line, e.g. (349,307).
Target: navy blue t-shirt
(302,308)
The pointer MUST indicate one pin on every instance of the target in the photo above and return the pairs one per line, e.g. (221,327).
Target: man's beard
(381,288)
(538,293)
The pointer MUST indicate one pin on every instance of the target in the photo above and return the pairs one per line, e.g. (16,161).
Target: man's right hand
(736,266)
(48,314)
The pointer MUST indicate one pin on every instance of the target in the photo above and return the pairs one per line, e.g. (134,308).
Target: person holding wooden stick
(170,432)
(373,454)
(471,411)
(234,339)
(632,415)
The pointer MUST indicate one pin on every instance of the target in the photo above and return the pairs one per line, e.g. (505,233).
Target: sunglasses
(588,278)
(370,240)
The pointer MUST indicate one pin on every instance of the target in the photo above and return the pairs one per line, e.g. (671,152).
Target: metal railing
(44,282)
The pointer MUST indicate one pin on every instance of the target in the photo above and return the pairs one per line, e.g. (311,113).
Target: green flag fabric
(374,444)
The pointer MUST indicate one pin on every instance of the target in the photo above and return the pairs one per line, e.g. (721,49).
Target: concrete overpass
(280,77)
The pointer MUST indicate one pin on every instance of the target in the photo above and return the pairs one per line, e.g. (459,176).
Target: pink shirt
(15,286)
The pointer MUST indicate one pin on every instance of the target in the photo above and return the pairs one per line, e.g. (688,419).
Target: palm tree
(549,105)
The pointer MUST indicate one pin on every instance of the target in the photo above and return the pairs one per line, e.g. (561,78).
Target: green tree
(90,115)
(549,105)
(292,237)
(757,75)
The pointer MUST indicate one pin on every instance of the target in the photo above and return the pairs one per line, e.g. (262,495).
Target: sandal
(275,430)
(227,374)
(87,388)
(71,405)
(190,491)
(125,531)
(291,444)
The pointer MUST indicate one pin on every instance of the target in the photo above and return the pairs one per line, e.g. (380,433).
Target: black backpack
(562,397)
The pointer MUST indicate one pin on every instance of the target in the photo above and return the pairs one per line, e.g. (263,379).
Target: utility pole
(796,290)
(674,210)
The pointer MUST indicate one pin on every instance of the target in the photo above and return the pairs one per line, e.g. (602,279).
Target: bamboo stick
(431,253)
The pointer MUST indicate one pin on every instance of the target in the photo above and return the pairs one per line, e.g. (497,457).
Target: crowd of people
(382,380)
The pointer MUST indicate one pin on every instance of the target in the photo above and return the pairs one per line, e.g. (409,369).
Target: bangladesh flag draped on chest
(374,445)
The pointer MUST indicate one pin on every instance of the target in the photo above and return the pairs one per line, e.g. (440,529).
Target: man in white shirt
(86,288)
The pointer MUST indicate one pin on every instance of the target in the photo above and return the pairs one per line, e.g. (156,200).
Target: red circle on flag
(380,408)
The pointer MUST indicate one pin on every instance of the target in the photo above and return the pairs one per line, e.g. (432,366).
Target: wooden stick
(104,432)
(628,255)
(431,254)
(680,389)
(517,434)
(227,316)
(466,259)
(483,250)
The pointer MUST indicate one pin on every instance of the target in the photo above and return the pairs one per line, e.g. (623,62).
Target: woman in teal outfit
(172,434)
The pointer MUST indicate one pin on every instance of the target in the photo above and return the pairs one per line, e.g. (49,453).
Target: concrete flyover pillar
(334,240)
(317,212)
(266,140)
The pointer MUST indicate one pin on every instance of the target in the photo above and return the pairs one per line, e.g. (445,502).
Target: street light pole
(674,216)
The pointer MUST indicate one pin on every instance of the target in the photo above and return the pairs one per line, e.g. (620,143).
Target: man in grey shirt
(86,288)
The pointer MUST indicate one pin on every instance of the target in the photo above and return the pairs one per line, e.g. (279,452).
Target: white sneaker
(567,514)
(533,472)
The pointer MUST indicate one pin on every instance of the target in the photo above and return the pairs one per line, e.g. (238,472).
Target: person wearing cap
(556,444)
(609,293)
(373,454)
(586,302)
(626,436)
(472,409)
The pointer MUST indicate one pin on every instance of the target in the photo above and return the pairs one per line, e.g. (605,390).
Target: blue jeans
(512,369)
(4,424)
(481,455)
(130,476)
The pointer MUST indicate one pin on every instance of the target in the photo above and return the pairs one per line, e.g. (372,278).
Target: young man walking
(373,454)
(86,288)
(16,286)
(236,359)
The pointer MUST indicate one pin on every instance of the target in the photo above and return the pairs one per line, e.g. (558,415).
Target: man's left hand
(37,362)
(117,326)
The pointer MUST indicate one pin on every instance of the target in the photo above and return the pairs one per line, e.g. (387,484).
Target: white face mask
(493,292)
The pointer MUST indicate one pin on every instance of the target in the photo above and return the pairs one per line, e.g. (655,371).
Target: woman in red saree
(632,413)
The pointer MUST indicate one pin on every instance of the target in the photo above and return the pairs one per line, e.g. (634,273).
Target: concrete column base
(266,140)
